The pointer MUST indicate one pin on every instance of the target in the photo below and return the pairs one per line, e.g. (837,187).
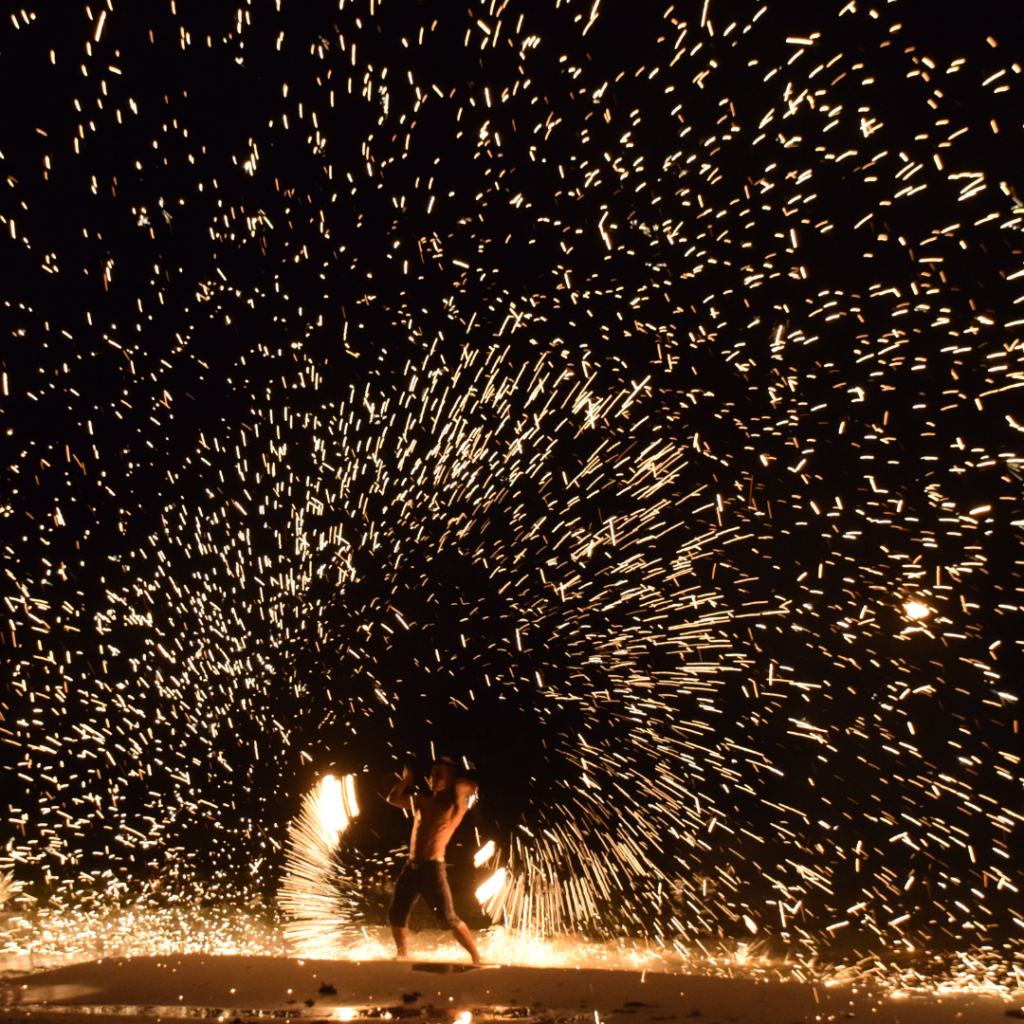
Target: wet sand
(249,988)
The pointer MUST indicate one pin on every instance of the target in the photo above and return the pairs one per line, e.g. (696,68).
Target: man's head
(442,775)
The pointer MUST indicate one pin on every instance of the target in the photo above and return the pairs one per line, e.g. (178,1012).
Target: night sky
(619,398)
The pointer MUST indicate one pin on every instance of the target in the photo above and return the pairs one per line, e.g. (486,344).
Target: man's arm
(398,795)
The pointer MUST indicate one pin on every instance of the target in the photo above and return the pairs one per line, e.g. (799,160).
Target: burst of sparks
(318,910)
(583,391)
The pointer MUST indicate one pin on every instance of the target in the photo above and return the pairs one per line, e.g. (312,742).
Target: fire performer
(435,819)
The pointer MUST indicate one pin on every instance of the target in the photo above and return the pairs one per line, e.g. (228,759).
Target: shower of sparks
(474,481)
(625,403)
(319,920)
(9,886)
(58,934)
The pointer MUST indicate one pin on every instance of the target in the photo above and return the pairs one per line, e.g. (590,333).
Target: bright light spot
(491,886)
(337,802)
(483,853)
(351,805)
(345,1013)
(916,610)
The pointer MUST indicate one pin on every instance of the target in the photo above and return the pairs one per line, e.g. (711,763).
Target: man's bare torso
(436,817)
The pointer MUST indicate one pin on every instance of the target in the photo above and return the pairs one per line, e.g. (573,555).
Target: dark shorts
(426,878)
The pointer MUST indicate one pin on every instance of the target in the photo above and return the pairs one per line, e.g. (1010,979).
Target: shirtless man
(435,819)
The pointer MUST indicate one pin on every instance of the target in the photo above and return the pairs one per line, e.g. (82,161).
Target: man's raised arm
(398,795)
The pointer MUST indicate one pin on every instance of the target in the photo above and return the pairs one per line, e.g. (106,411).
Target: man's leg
(401,934)
(439,898)
(465,937)
(405,895)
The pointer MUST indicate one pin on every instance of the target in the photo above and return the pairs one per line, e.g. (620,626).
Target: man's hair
(447,762)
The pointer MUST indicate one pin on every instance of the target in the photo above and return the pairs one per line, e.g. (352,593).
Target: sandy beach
(250,988)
